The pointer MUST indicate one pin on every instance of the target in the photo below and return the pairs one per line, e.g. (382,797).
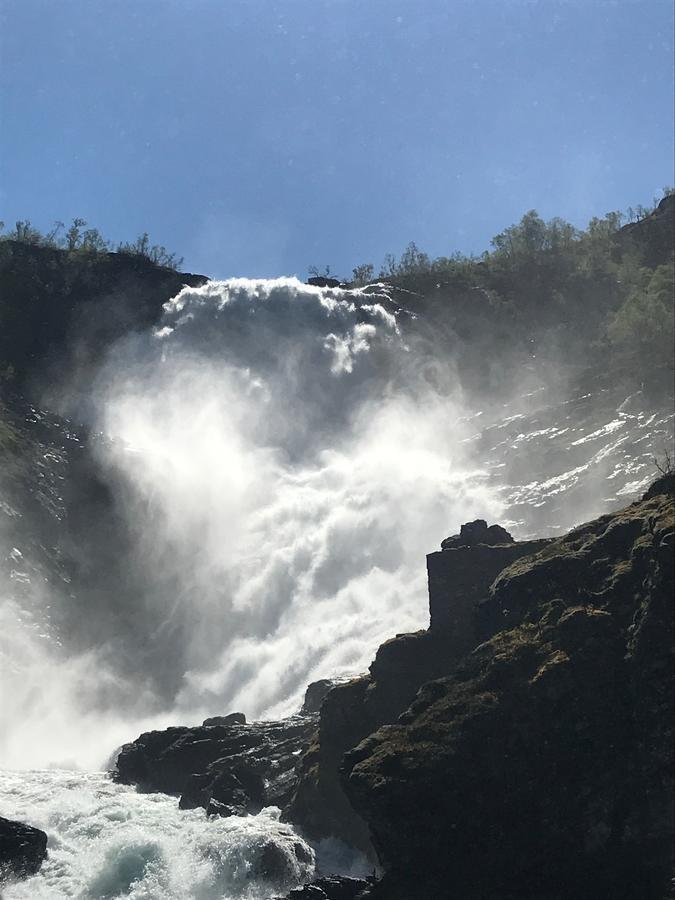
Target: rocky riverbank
(519,747)
(228,769)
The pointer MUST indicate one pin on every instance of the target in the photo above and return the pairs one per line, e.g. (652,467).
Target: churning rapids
(284,457)
(106,841)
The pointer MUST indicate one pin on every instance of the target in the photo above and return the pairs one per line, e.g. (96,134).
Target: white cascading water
(290,450)
(289,454)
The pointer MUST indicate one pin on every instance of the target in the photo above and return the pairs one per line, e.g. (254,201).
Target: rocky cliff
(60,312)
(521,747)
(541,767)
(459,579)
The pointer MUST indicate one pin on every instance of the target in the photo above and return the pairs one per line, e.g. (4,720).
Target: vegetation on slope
(547,297)
(77,238)
(550,293)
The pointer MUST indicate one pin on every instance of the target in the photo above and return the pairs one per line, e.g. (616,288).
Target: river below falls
(107,840)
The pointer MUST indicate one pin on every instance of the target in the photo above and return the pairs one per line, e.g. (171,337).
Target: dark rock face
(519,748)
(319,806)
(226,769)
(458,580)
(23,849)
(274,862)
(235,718)
(70,308)
(541,766)
(315,695)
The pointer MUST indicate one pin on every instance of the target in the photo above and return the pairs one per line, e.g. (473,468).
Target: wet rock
(344,888)
(314,695)
(278,862)
(308,892)
(319,806)
(226,769)
(235,718)
(23,849)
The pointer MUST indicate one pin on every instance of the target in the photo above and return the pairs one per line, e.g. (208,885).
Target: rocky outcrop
(460,576)
(226,769)
(541,766)
(23,849)
(315,695)
(471,534)
(319,806)
(65,526)
(459,579)
(333,888)
(325,281)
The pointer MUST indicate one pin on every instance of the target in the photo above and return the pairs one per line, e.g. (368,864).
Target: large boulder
(23,849)
(228,769)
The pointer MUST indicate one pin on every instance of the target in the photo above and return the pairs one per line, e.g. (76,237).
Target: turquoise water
(108,841)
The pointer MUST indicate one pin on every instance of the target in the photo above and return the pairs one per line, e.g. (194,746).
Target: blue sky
(258,137)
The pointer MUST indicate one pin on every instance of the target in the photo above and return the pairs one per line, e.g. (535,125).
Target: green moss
(542,768)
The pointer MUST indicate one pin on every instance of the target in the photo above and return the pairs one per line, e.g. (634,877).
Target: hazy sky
(257,137)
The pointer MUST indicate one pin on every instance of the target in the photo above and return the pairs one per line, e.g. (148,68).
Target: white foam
(107,841)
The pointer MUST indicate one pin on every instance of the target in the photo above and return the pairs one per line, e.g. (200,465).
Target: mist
(264,473)
(285,444)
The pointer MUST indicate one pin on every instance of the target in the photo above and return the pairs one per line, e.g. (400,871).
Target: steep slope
(60,311)
(541,767)
(459,578)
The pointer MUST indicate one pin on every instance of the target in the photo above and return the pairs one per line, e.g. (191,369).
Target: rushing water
(107,840)
(287,456)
